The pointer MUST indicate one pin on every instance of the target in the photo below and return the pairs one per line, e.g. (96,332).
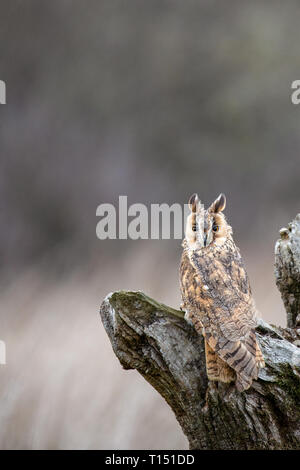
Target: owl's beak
(205,238)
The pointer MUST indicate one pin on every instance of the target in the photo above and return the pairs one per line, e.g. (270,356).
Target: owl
(216,296)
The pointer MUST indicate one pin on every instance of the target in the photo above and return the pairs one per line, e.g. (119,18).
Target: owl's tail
(243,356)
(243,382)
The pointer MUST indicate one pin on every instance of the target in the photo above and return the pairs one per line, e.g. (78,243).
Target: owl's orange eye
(216,228)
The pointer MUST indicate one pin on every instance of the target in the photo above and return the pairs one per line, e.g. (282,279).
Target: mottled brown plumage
(217,297)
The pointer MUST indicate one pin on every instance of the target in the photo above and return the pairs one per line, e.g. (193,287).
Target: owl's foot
(261,364)
(259,358)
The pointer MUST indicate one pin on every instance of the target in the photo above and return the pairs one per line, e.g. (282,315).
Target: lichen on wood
(156,341)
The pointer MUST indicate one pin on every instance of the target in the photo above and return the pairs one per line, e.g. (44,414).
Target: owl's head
(206,227)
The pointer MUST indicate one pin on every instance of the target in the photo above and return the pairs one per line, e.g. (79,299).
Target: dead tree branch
(156,341)
(287,270)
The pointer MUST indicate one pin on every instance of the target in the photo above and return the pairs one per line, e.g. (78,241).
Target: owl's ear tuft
(219,204)
(193,201)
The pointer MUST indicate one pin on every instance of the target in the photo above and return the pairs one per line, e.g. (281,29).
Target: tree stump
(155,340)
(287,270)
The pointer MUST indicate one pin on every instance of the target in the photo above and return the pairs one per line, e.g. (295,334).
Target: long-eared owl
(216,295)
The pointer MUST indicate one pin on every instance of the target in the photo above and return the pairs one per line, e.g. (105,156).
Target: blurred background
(150,99)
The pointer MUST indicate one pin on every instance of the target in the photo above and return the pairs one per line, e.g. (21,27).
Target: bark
(287,270)
(155,340)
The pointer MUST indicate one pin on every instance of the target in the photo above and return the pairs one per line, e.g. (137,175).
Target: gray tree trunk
(287,270)
(156,341)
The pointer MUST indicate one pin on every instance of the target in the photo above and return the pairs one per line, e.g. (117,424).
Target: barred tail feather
(253,346)
(241,357)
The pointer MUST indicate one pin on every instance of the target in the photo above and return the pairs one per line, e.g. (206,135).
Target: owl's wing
(224,292)
(217,295)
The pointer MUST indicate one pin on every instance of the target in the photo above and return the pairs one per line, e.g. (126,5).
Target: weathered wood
(287,270)
(156,341)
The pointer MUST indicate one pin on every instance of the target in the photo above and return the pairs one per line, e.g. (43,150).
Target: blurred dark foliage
(152,99)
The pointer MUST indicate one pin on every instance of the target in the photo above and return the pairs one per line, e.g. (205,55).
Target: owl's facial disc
(206,227)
